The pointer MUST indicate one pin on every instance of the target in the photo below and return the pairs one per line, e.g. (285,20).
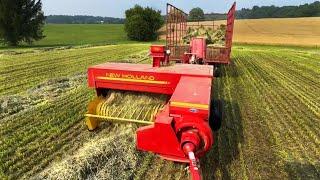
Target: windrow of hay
(139,57)
(46,91)
(107,156)
(112,153)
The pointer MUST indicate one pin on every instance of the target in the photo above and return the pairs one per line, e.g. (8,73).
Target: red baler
(182,130)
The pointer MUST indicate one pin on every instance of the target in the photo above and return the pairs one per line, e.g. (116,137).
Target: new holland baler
(182,130)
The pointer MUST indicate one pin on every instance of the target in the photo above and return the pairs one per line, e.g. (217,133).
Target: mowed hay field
(280,31)
(270,129)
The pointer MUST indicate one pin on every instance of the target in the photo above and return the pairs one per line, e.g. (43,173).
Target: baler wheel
(216,115)
(217,70)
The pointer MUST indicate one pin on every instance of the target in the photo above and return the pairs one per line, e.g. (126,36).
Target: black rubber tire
(217,70)
(215,115)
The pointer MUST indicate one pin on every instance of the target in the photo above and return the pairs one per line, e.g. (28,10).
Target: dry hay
(112,153)
(212,36)
(139,57)
(55,87)
(128,105)
(46,91)
(107,156)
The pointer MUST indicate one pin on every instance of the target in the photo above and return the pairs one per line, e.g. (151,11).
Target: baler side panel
(160,138)
(137,77)
(132,80)
(192,97)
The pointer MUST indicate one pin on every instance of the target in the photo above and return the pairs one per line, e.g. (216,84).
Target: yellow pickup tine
(108,118)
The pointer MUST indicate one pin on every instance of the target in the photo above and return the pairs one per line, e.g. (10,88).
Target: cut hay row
(306,130)
(279,107)
(55,58)
(23,149)
(145,164)
(44,92)
(105,156)
(10,120)
(231,136)
(97,156)
(62,64)
(292,85)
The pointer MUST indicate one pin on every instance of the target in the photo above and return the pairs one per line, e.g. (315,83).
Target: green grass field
(81,34)
(270,98)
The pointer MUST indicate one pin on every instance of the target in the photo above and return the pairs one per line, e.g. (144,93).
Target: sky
(108,8)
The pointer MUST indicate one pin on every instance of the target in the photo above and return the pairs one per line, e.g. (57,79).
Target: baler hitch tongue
(194,167)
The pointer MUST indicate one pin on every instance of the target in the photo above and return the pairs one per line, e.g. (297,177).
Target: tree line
(305,10)
(65,19)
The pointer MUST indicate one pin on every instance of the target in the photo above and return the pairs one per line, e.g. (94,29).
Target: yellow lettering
(130,76)
(151,78)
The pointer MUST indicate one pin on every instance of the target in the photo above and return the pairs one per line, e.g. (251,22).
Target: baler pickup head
(127,107)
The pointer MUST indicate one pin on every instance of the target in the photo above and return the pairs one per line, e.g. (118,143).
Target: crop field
(285,31)
(270,130)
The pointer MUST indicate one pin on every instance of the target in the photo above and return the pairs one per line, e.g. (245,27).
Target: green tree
(142,24)
(21,20)
(196,14)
